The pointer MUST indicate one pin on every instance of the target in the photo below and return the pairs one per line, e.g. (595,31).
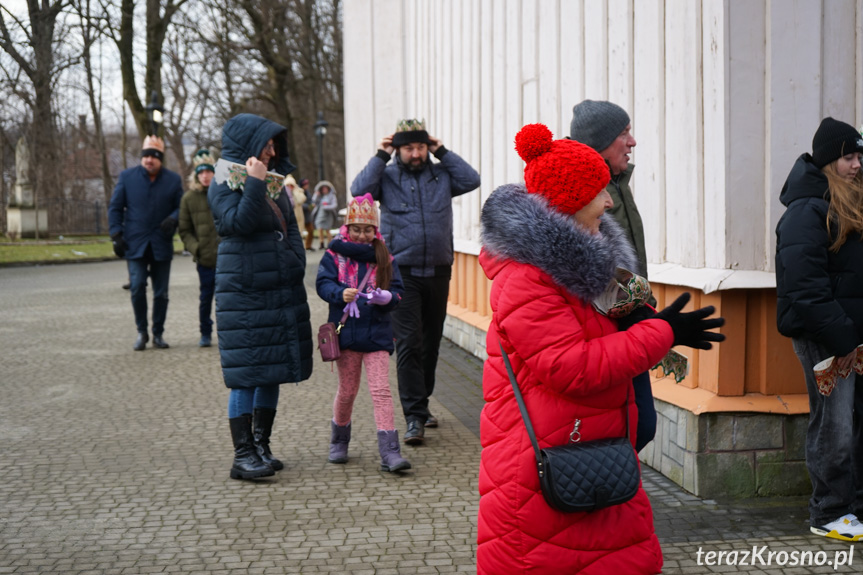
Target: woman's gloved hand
(690,329)
(637,315)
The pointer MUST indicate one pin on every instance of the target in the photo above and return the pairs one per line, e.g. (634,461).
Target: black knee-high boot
(247,463)
(263,429)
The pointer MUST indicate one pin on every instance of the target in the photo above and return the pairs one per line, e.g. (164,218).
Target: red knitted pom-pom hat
(567,173)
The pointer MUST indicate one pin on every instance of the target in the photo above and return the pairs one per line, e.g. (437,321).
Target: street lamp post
(320,132)
(154,113)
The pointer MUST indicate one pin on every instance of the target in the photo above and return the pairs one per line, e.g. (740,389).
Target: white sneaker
(846,528)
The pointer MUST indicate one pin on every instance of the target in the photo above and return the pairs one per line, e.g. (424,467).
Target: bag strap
(523,408)
(359,289)
(278,213)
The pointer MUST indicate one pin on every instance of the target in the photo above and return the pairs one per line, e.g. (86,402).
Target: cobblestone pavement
(116,462)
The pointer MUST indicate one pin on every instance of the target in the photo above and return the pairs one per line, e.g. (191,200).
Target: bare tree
(33,48)
(299,44)
(91,30)
(158,19)
(207,60)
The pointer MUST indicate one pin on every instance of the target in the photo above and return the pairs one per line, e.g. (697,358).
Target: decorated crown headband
(410,125)
(362,211)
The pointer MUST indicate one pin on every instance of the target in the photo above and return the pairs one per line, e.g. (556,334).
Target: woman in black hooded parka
(819,284)
(265,334)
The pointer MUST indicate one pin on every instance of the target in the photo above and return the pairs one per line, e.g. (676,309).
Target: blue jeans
(207,279)
(244,400)
(834,441)
(159,273)
(646,430)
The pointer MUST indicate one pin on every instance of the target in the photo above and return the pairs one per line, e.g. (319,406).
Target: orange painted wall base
(754,370)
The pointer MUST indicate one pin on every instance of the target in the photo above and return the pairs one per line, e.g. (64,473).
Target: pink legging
(378,375)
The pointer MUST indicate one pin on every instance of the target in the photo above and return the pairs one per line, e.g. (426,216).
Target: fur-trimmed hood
(523,227)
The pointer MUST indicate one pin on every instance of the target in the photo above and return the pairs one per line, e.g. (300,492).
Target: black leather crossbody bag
(583,476)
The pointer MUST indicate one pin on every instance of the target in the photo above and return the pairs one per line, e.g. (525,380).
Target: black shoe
(127,285)
(159,342)
(141,342)
(431,421)
(415,434)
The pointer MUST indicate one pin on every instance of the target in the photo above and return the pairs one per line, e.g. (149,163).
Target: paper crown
(362,210)
(203,161)
(410,125)
(153,143)
(410,131)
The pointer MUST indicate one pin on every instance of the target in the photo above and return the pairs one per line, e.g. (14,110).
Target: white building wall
(724,95)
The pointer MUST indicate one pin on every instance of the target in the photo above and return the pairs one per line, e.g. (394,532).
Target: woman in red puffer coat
(571,362)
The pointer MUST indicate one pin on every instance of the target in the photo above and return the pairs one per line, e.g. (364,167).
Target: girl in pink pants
(357,274)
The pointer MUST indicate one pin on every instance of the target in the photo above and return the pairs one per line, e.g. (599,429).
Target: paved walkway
(116,462)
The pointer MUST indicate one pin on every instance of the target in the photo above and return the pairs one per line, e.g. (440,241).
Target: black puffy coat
(820,293)
(265,334)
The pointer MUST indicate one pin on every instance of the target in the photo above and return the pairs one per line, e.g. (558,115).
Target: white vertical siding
(838,86)
(746,152)
(648,124)
(360,128)
(514,111)
(684,200)
(715,61)
(571,60)
(549,55)
(620,68)
(723,95)
(794,76)
(596,49)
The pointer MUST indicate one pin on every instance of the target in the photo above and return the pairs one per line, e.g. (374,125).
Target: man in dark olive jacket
(605,127)
(416,223)
(142,219)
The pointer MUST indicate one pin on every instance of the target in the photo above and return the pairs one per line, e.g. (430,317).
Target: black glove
(690,329)
(637,315)
(169,226)
(120,245)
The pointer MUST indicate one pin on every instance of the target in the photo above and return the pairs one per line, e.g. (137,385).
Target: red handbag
(328,334)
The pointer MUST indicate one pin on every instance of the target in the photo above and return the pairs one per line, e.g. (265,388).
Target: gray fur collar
(523,227)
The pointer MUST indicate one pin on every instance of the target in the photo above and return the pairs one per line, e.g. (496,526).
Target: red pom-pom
(532,141)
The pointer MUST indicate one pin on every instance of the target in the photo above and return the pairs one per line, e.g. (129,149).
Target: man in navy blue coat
(142,219)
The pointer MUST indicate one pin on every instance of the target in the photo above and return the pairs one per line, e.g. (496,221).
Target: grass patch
(69,249)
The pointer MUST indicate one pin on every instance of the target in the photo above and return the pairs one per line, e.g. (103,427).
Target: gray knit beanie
(597,124)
